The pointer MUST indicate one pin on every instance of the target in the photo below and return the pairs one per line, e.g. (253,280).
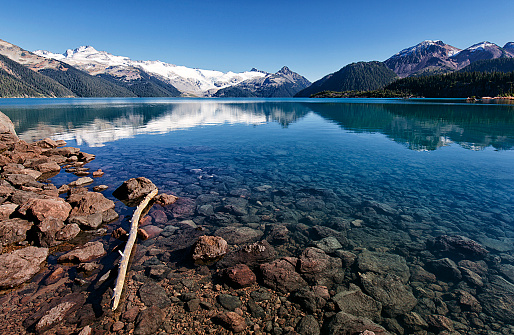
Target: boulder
(346,324)
(19,266)
(148,321)
(281,275)
(209,249)
(456,247)
(395,296)
(445,269)
(383,263)
(90,209)
(308,326)
(46,209)
(252,255)
(85,253)
(240,276)
(239,235)
(231,321)
(13,231)
(309,300)
(152,294)
(357,303)
(58,313)
(81,182)
(497,299)
(68,232)
(6,210)
(6,125)
(132,191)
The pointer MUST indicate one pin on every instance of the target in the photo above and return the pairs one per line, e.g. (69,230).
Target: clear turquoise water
(446,166)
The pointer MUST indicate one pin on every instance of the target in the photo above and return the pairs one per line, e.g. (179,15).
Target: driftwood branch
(120,281)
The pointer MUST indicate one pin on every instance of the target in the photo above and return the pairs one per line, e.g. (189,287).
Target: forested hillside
(17,80)
(356,76)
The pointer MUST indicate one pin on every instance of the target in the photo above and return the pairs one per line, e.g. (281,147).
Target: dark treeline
(457,85)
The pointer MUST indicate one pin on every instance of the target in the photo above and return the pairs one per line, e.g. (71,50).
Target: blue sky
(313,38)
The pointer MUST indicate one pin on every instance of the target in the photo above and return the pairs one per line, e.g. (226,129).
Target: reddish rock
(117,326)
(86,253)
(468,301)
(48,167)
(47,143)
(142,234)
(209,248)
(6,210)
(159,216)
(148,321)
(343,323)
(231,321)
(81,182)
(440,323)
(120,234)
(47,230)
(152,231)
(164,199)
(281,275)
(313,260)
(89,203)
(44,209)
(98,173)
(19,266)
(134,190)
(58,313)
(100,188)
(13,231)
(240,276)
(131,314)
(68,232)
(55,276)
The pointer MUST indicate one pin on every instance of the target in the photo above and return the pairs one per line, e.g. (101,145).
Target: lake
(383,176)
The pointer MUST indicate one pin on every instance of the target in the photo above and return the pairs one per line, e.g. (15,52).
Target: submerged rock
(209,248)
(457,247)
(346,324)
(240,275)
(281,275)
(383,263)
(85,253)
(149,320)
(355,302)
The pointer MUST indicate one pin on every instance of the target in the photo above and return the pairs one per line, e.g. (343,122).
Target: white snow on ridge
(185,79)
(425,44)
(481,46)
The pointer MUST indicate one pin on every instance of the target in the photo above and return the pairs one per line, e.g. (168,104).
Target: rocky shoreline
(249,262)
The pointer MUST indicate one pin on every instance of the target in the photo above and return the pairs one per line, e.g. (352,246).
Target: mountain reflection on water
(419,126)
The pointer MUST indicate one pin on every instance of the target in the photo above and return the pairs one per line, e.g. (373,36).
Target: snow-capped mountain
(509,48)
(283,83)
(426,56)
(189,81)
(432,57)
(479,51)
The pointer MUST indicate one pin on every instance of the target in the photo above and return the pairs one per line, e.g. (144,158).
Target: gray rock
(152,294)
(308,300)
(239,235)
(355,302)
(255,310)
(445,268)
(346,324)
(328,244)
(229,302)
(308,326)
(260,295)
(396,298)
(383,263)
(457,247)
(19,266)
(497,299)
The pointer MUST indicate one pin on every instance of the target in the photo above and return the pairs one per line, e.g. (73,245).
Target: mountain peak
(285,70)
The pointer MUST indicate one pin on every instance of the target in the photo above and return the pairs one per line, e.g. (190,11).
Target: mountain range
(87,72)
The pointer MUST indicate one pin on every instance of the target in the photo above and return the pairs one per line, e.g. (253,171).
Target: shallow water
(410,170)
